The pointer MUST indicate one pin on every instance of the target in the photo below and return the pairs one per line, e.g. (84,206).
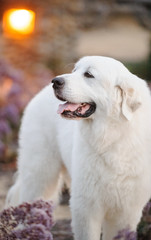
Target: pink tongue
(67,107)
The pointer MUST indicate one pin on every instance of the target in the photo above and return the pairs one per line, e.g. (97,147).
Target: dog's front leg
(86,217)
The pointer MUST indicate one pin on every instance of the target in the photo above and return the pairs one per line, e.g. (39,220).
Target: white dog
(107,153)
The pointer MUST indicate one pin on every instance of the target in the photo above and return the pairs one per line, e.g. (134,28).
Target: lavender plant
(126,234)
(28,221)
(10,108)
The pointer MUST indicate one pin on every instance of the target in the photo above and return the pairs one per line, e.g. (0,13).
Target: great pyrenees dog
(105,148)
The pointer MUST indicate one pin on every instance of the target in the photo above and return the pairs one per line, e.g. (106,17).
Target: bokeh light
(18,22)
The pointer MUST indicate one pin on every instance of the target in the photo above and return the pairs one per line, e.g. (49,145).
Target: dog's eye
(88,75)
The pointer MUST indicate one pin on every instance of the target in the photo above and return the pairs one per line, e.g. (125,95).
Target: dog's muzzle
(69,109)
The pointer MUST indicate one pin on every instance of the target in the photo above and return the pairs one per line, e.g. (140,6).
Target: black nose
(58,82)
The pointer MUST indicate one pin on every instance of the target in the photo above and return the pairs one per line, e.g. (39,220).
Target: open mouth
(76,110)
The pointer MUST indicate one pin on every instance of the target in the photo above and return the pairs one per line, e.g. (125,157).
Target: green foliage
(141,69)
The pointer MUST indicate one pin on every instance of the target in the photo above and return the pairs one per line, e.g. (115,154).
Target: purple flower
(27,221)
(32,232)
(126,234)
(147,209)
(6,70)
(15,90)
(4,128)
(11,113)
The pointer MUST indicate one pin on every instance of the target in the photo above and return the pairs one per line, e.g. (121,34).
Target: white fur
(108,155)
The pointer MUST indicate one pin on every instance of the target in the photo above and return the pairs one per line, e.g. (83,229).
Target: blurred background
(42,38)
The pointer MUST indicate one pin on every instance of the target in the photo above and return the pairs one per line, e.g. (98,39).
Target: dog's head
(98,84)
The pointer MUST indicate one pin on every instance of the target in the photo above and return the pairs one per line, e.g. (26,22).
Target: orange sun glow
(19,22)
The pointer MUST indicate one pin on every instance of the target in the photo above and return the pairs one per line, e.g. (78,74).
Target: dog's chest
(113,180)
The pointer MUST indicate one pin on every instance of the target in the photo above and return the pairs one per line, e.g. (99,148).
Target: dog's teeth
(79,109)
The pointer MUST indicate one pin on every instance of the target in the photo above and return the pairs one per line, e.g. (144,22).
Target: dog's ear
(130,101)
